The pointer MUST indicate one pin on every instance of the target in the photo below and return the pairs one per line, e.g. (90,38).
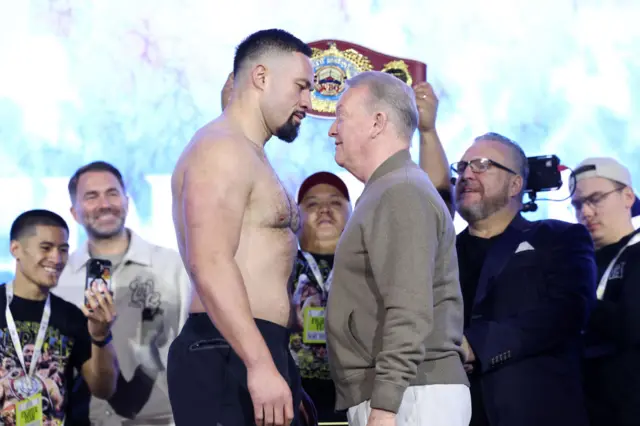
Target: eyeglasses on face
(592,201)
(478,165)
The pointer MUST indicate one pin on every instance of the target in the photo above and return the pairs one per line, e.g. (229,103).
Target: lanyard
(11,325)
(602,286)
(317,274)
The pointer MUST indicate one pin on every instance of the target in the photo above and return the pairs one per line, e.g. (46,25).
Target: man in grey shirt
(151,292)
(394,316)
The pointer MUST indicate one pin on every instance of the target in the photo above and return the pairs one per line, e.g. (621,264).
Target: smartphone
(98,272)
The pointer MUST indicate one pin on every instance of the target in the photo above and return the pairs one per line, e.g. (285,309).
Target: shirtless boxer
(235,225)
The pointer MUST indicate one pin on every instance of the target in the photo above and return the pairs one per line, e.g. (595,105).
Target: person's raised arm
(215,193)
(433,159)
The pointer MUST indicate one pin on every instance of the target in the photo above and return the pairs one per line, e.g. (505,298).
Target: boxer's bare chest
(271,204)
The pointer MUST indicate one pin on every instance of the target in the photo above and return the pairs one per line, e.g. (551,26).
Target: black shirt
(605,255)
(67,346)
(472,252)
(612,325)
(326,258)
(312,359)
(612,376)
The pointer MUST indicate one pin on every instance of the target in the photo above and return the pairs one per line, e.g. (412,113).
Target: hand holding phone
(98,273)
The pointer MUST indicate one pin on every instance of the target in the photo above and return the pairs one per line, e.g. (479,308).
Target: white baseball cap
(608,168)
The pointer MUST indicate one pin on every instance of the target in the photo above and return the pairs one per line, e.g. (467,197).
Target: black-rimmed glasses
(593,200)
(478,165)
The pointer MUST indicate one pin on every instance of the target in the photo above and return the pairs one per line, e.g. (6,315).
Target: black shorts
(208,381)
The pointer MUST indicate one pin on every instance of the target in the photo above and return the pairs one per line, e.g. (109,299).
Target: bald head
(391,95)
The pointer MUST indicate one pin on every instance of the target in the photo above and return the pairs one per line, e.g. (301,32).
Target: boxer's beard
(288,132)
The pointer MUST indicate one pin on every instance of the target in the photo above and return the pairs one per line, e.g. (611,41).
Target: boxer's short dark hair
(264,41)
(25,224)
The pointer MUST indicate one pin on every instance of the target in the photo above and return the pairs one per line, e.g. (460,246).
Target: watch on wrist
(104,342)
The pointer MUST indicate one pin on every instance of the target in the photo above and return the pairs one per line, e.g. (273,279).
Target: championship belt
(335,61)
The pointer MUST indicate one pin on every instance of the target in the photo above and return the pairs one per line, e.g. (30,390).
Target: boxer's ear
(259,76)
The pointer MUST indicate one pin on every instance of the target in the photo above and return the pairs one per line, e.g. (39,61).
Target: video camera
(544,175)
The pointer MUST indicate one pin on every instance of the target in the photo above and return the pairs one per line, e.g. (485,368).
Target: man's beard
(288,132)
(98,234)
(485,207)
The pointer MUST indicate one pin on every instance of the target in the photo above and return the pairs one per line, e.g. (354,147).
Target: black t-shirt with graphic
(307,293)
(67,346)
(312,358)
(612,323)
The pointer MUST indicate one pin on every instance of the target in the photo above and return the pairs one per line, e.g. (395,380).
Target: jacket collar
(396,161)
(139,251)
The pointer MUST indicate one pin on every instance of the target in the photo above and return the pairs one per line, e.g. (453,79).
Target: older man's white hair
(391,95)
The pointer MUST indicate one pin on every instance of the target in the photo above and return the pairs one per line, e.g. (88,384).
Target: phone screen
(98,272)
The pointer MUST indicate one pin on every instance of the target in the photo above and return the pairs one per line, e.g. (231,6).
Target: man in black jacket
(527,288)
(605,203)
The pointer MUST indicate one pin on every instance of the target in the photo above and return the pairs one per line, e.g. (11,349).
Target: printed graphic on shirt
(306,346)
(49,378)
(617,273)
(144,296)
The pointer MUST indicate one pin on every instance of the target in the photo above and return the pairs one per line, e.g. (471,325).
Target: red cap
(320,178)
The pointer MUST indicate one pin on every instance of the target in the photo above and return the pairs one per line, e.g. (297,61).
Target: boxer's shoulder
(221,140)
(218,153)
(218,149)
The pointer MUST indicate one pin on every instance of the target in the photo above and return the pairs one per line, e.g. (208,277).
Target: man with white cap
(605,203)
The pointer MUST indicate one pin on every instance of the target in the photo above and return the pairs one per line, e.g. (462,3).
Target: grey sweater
(394,315)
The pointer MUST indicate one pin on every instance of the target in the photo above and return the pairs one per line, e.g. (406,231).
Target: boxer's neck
(245,114)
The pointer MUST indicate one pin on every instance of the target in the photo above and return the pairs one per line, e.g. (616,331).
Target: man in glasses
(527,288)
(604,202)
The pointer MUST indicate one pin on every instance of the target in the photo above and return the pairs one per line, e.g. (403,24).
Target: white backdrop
(130,81)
